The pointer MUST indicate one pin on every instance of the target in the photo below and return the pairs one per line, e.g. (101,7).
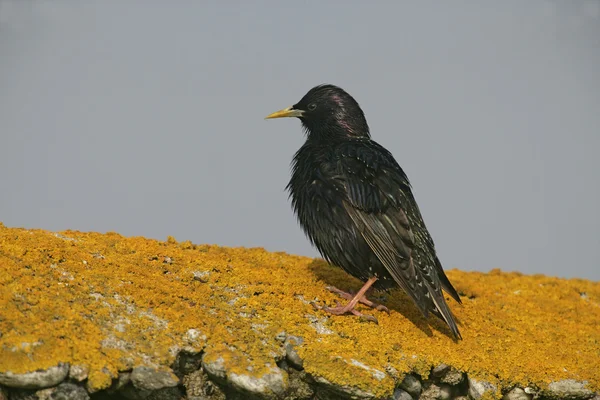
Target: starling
(355,204)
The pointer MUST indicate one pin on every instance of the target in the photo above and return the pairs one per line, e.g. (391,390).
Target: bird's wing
(379,201)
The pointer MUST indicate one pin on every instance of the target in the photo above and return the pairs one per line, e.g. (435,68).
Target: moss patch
(112,303)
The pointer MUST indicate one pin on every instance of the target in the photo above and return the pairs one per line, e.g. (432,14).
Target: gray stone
(517,394)
(186,363)
(440,370)
(168,393)
(400,394)
(437,392)
(453,377)
(568,389)
(344,391)
(478,388)
(299,389)
(147,378)
(69,391)
(35,380)
(291,354)
(118,384)
(412,385)
(272,384)
(198,386)
(215,369)
(79,373)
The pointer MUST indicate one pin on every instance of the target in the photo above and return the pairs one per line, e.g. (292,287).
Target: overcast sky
(146,118)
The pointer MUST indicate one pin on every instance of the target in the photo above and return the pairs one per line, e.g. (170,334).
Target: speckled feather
(355,204)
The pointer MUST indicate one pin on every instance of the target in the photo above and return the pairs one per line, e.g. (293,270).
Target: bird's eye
(312,106)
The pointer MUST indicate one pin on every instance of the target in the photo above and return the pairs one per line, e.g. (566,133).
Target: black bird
(355,204)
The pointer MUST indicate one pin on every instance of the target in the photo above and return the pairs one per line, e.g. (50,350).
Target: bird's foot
(363,299)
(347,309)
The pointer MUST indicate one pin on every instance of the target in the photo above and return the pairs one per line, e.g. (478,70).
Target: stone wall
(88,315)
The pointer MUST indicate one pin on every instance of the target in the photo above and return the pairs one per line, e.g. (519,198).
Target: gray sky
(146,118)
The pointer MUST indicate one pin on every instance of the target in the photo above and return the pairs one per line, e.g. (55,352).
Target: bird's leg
(349,308)
(363,300)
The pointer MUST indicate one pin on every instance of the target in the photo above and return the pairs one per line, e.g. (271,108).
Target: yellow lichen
(110,303)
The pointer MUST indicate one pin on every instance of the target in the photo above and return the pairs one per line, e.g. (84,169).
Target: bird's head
(327,112)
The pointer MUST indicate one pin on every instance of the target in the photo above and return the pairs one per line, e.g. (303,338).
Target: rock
(299,389)
(35,380)
(78,373)
(400,394)
(186,363)
(453,377)
(198,386)
(568,389)
(168,393)
(291,342)
(412,385)
(215,369)
(344,391)
(69,391)
(272,384)
(478,388)
(437,392)
(440,370)
(147,378)
(118,384)
(517,394)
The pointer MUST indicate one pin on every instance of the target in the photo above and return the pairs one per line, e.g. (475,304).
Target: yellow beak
(286,112)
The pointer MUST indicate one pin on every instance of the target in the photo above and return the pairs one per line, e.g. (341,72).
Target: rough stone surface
(299,389)
(105,304)
(568,389)
(517,394)
(270,384)
(198,386)
(345,391)
(400,394)
(440,370)
(478,388)
(453,377)
(412,385)
(291,354)
(78,373)
(146,378)
(437,392)
(215,368)
(69,391)
(37,379)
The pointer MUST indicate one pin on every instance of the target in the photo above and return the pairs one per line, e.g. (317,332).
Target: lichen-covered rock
(105,303)
(271,384)
(400,394)
(517,394)
(69,391)
(478,388)
(291,342)
(146,378)
(270,381)
(453,377)
(412,385)
(568,389)
(37,379)
(79,373)
(437,392)
(344,391)
(199,387)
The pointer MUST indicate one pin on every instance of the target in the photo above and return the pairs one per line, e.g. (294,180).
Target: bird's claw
(363,300)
